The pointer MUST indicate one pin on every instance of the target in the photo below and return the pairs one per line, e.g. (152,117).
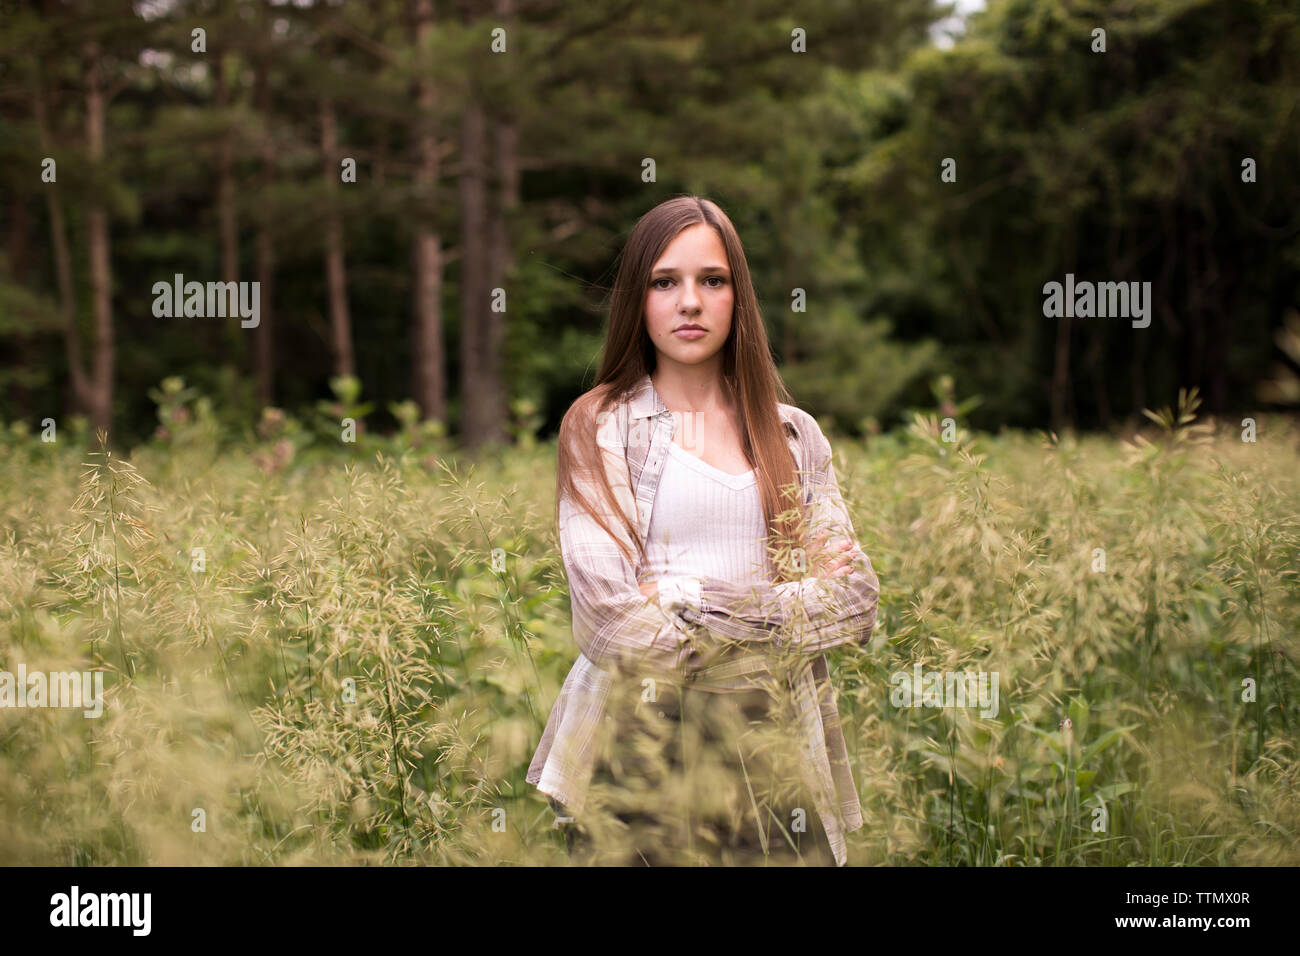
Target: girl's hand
(650,589)
(833,558)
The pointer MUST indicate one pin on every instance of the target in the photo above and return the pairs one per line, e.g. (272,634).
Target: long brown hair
(750,377)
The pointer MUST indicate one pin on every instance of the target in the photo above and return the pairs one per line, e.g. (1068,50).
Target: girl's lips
(690,333)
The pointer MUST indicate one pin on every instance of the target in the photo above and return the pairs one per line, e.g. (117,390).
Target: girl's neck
(692,389)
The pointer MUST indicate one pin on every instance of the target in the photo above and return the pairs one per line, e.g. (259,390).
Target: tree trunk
(227,223)
(335,266)
(263,343)
(1061,374)
(101,278)
(80,387)
(18,245)
(505,142)
(489,189)
(428,376)
(479,387)
(1222,333)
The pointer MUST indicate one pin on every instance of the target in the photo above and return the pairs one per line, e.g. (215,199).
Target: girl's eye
(721,282)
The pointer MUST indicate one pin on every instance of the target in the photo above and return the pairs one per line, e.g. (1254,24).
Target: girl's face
(690,285)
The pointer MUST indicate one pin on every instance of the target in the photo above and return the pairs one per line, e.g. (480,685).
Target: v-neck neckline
(742,480)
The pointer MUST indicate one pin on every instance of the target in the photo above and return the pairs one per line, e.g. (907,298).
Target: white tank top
(705,521)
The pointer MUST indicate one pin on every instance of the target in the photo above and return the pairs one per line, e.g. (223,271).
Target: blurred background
(381,168)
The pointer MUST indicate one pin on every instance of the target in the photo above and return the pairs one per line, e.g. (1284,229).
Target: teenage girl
(693,743)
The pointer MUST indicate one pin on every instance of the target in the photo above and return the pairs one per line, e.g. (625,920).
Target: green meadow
(320,652)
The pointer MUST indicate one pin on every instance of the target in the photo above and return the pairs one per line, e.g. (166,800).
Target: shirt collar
(645,401)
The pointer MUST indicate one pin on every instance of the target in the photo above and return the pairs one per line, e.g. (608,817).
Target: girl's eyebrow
(702,269)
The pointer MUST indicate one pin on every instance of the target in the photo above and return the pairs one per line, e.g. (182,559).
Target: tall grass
(345,674)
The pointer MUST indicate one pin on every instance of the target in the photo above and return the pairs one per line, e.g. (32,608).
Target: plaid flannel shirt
(704,632)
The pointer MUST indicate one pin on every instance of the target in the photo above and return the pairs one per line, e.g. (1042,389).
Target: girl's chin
(688,356)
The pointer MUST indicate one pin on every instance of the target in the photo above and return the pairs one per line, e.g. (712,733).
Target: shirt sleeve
(614,625)
(678,592)
(813,614)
